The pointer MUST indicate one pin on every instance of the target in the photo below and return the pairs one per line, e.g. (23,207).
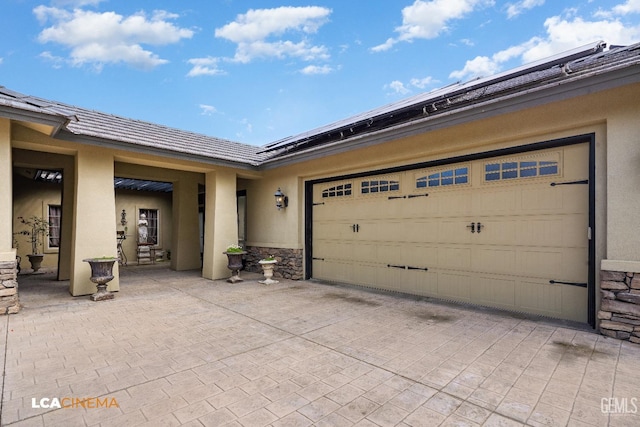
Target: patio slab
(175,349)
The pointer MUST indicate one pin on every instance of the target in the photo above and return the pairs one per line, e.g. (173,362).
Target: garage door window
(337,191)
(444,178)
(379,186)
(524,169)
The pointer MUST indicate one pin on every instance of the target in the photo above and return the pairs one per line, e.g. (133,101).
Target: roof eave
(55,121)
(541,95)
(155,151)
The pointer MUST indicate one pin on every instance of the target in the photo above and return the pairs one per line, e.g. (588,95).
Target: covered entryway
(506,229)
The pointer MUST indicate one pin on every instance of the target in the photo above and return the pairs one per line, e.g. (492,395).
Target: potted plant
(234,262)
(37,230)
(268,265)
(101,274)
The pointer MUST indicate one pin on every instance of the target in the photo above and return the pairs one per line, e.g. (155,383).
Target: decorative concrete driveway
(174,349)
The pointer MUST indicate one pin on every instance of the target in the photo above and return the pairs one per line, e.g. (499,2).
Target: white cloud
(76,3)
(259,33)
(207,110)
(563,33)
(478,66)
(56,61)
(630,6)
(398,87)
(204,67)
(423,82)
(103,38)
(428,19)
(316,69)
(515,9)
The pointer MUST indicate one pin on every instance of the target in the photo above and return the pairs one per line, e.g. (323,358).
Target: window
(523,169)
(151,218)
(444,178)
(55,215)
(379,186)
(337,191)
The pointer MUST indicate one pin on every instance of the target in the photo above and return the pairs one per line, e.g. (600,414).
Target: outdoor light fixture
(123,217)
(282,201)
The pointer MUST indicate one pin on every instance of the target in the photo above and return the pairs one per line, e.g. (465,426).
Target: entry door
(508,232)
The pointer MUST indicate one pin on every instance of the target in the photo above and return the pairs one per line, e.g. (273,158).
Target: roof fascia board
(107,143)
(552,92)
(56,121)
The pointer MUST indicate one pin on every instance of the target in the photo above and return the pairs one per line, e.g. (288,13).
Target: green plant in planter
(234,249)
(37,230)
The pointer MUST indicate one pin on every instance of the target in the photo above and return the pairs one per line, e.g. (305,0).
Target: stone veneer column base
(289,261)
(620,305)
(9,303)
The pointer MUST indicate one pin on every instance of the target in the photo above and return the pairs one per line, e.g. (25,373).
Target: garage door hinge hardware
(413,196)
(480,227)
(316,204)
(582,285)
(584,181)
(396,197)
(318,259)
(407,267)
(355,228)
(417,268)
(472,226)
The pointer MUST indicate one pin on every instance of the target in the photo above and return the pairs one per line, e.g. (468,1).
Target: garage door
(508,232)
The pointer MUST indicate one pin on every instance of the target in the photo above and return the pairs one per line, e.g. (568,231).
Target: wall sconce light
(123,217)
(282,201)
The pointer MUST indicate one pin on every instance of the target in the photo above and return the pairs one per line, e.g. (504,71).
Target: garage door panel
(541,263)
(454,258)
(494,290)
(495,202)
(540,298)
(334,249)
(539,200)
(453,231)
(426,231)
(502,260)
(417,238)
(332,230)
(426,283)
(499,230)
(572,303)
(541,231)
(454,286)
(450,203)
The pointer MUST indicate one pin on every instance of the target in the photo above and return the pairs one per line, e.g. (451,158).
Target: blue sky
(256,72)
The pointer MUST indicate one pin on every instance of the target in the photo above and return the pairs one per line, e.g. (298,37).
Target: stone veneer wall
(620,305)
(289,261)
(9,303)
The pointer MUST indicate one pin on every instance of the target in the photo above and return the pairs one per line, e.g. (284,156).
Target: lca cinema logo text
(74,402)
(617,405)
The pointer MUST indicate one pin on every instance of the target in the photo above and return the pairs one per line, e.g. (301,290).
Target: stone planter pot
(267,270)
(36,261)
(234,263)
(101,274)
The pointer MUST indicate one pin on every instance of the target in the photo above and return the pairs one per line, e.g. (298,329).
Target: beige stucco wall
(132,201)
(7,253)
(33,199)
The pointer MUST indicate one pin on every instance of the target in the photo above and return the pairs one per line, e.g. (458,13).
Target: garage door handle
(318,259)
(417,268)
(554,282)
(583,181)
(396,266)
